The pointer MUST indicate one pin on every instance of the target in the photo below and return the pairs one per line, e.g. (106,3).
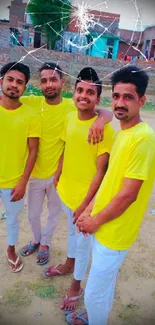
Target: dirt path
(24,295)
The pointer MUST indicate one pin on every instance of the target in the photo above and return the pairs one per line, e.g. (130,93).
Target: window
(110,42)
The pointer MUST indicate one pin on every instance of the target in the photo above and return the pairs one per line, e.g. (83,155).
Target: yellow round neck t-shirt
(51,145)
(80,159)
(132,156)
(16,126)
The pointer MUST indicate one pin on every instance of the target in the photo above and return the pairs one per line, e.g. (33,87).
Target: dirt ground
(27,298)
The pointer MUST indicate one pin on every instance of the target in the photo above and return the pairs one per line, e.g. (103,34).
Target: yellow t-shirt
(132,156)
(51,145)
(80,159)
(16,126)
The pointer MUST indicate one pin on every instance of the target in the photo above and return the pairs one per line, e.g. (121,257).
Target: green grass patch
(21,294)
(149,106)
(43,291)
(105,101)
(18,295)
(32,90)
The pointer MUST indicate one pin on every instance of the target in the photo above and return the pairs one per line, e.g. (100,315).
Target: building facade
(100,40)
(136,44)
(103,37)
(148,47)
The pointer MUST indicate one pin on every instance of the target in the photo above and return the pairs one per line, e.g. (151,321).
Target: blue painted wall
(115,51)
(100,49)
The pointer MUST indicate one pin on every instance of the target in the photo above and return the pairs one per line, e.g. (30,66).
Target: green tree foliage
(52,16)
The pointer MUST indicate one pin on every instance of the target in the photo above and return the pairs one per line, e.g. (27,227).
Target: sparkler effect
(84,20)
(87,22)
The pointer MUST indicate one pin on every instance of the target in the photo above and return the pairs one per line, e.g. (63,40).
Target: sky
(128,9)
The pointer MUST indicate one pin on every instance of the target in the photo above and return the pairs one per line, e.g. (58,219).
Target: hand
(18,192)
(96,132)
(84,214)
(77,213)
(87,224)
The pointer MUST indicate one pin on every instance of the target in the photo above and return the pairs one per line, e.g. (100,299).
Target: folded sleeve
(139,160)
(106,144)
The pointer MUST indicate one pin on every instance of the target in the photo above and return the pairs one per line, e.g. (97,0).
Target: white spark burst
(87,23)
(84,20)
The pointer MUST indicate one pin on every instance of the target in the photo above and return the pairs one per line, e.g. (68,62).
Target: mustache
(122,108)
(13,89)
(50,88)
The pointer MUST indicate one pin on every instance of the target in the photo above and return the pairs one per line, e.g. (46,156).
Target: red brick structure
(129,40)
(17,13)
(105,18)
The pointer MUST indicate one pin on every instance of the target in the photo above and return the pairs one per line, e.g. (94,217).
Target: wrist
(98,221)
(82,206)
(23,182)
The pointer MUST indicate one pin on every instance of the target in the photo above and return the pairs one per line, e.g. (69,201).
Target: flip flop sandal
(43,257)
(70,320)
(75,299)
(52,271)
(29,249)
(15,269)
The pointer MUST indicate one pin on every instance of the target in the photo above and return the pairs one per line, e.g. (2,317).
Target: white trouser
(78,246)
(100,288)
(37,189)
(13,210)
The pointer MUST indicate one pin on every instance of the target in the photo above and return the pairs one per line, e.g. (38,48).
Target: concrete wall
(4,34)
(149,34)
(71,64)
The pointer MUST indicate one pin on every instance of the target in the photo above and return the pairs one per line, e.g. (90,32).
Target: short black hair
(89,73)
(52,66)
(16,66)
(131,74)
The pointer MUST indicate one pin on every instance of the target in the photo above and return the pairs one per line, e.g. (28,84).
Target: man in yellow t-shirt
(53,110)
(20,129)
(116,213)
(83,169)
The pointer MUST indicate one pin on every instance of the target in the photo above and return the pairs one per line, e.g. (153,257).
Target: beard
(54,95)
(121,115)
(11,95)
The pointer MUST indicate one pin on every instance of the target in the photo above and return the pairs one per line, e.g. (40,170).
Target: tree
(52,16)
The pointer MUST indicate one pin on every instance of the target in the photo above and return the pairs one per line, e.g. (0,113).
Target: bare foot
(65,269)
(61,269)
(11,254)
(12,257)
(71,301)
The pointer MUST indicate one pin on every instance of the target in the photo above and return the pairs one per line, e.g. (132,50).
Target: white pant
(78,246)
(37,189)
(100,288)
(12,210)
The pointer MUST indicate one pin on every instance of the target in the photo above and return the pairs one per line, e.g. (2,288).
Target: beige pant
(37,190)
